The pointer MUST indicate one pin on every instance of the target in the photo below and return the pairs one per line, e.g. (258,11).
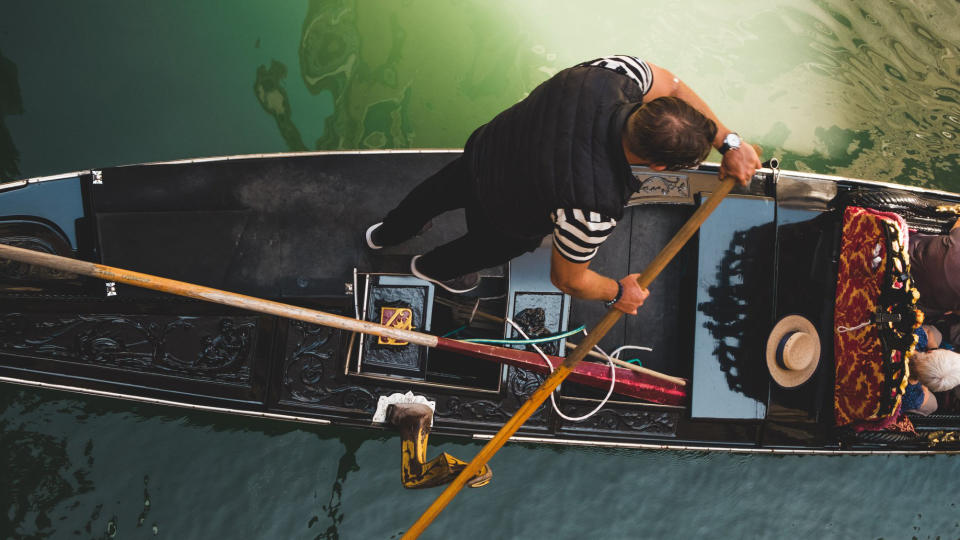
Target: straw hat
(793,351)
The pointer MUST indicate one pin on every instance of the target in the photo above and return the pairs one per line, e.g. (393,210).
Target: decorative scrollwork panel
(520,385)
(621,420)
(311,365)
(209,349)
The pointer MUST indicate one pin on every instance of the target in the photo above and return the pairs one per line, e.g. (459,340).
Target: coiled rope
(613,369)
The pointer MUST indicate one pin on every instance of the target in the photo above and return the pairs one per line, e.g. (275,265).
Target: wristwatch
(730,142)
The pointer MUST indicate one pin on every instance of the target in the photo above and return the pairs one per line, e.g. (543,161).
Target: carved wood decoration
(402,307)
(208,349)
(311,365)
(313,378)
(613,419)
(661,187)
(220,349)
(462,407)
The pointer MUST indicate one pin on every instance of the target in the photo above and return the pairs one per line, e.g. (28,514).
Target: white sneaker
(457,285)
(373,228)
(369,236)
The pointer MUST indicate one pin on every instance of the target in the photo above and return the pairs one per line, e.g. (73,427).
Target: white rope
(473,313)
(553,401)
(844,329)
(616,353)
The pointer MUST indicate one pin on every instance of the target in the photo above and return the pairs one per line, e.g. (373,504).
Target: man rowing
(559,162)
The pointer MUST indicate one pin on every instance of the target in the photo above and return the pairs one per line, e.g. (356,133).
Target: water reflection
(862,89)
(52,486)
(39,476)
(403,85)
(893,70)
(347,464)
(272,94)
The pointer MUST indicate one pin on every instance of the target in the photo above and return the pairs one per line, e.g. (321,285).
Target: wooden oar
(627,383)
(542,393)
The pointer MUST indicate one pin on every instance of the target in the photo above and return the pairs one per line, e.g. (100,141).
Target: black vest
(560,147)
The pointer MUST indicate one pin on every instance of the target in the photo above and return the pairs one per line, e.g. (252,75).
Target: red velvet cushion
(869,378)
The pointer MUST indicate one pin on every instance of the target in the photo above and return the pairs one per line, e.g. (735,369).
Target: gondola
(289,228)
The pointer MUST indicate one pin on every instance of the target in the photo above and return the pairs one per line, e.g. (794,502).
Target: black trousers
(482,247)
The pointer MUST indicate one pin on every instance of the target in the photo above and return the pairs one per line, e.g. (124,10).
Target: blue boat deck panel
(730,379)
(529,287)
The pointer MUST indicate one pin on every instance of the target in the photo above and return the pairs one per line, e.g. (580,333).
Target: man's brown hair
(668,131)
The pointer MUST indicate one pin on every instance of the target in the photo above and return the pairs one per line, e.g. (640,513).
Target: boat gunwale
(521,439)
(706,166)
(158,401)
(886,451)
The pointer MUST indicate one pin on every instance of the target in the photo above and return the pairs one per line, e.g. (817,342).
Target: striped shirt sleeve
(631,66)
(577,234)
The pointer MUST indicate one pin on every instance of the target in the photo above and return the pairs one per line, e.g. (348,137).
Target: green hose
(526,341)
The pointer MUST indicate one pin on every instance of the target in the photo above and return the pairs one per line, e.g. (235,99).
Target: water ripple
(890,70)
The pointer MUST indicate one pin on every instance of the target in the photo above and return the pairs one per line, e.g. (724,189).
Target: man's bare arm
(742,163)
(576,279)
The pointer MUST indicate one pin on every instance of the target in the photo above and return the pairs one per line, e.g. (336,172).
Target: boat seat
(194,246)
(869,353)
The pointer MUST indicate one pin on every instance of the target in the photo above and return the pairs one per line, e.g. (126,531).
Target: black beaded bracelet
(610,303)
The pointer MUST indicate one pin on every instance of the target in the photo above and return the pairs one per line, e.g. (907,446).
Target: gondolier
(559,162)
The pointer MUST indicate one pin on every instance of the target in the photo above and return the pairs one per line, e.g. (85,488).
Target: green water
(861,89)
